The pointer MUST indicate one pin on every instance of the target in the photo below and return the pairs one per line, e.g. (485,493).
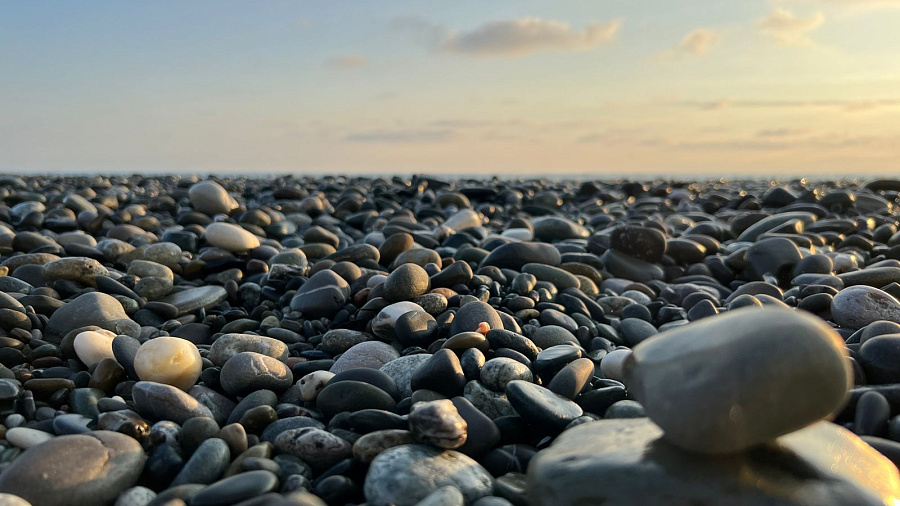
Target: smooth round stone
(136,496)
(169,360)
(248,371)
(235,489)
(648,244)
(384,322)
(571,379)
(165,402)
(92,308)
(208,197)
(75,470)
(324,294)
(370,354)
(93,346)
(318,448)
(206,465)
(635,331)
(492,404)
(229,345)
(514,255)
(78,269)
(541,407)
(337,341)
(313,383)
(230,237)
(12,500)
(441,373)
(407,282)
(438,423)
(404,475)
(872,413)
(729,382)
(373,377)
(339,396)
(444,496)
(124,350)
(472,314)
(463,219)
(482,433)
(24,437)
(554,228)
(498,372)
(551,360)
(560,278)
(501,338)
(552,335)
(857,306)
(415,328)
(401,370)
(190,300)
(367,447)
(880,359)
(291,423)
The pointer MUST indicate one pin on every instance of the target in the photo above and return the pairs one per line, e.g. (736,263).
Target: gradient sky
(599,87)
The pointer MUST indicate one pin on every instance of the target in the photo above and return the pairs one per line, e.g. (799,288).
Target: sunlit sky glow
(600,87)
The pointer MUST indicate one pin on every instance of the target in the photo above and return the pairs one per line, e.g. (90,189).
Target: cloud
(781,132)
(788,29)
(849,105)
(511,38)
(401,136)
(696,43)
(347,61)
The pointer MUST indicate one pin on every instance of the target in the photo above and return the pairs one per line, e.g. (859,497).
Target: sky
(482,87)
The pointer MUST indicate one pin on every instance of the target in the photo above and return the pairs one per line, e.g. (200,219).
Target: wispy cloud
(850,105)
(788,29)
(770,133)
(512,38)
(347,61)
(401,136)
(697,42)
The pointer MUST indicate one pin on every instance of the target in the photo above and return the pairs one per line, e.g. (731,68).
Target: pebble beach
(338,340)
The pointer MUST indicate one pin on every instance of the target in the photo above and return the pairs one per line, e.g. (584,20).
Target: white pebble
(93,346)
(313,383)
(23,437)
(169,360)
(611,364)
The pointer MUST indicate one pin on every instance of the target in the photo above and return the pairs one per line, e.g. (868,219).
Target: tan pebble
(169,360)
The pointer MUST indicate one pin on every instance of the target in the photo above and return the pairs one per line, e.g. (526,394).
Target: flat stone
(165,402)
(75,470)
(371,354)
(92,308)
(247,372)
(230,237)
(192,299)
(822,464)
(229,345)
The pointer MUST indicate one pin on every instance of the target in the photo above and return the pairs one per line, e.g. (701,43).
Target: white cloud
(788,29)
(696,43)
(512,38)
(348,61)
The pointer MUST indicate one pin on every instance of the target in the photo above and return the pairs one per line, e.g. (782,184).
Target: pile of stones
(307,341)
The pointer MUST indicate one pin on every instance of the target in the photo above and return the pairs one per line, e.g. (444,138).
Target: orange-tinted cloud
(788,29)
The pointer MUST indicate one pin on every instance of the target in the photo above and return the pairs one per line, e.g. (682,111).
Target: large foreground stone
(78,470)
(733,381)
(404,475)
(625,462)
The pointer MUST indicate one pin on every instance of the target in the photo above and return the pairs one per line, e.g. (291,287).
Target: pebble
(438,423)
(230,237)
(168,360)
(316,447)
(77,470)
(93,346)
(404,475)
(725,384)
(158,401)
(248,371)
